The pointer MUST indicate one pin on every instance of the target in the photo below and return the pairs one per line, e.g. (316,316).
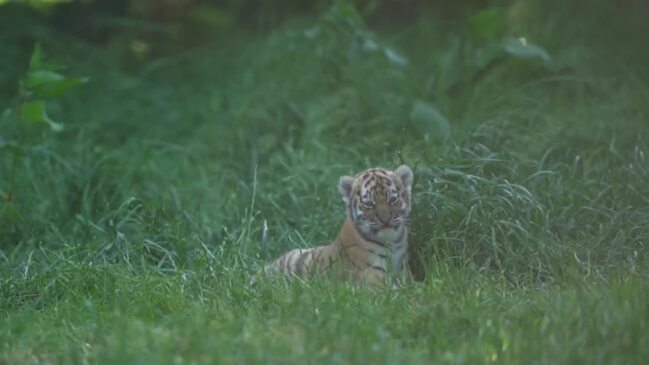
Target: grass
(179,176)
(108,313)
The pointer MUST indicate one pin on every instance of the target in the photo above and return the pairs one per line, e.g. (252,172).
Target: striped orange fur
(373,240)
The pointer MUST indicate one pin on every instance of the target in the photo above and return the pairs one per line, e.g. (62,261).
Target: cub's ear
(405,174)
(345,187)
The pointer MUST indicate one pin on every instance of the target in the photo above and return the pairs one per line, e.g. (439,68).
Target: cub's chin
(388,234)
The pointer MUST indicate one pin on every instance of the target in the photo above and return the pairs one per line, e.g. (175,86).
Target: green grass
(111,313)
(179,176)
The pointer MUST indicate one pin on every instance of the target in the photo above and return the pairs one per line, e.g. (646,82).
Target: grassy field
(180,172)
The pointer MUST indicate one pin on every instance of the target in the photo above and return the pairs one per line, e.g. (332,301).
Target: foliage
(182,169)
(36,3)
(41,82)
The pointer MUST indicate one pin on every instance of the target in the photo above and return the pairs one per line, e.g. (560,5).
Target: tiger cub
(372,242)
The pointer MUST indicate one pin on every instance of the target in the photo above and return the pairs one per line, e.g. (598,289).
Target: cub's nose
(384,218)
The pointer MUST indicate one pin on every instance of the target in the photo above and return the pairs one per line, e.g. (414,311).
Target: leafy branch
(42,82)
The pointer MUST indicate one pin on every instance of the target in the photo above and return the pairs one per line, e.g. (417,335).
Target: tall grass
(179,177)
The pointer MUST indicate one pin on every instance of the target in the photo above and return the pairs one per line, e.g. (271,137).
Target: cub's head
(378,200)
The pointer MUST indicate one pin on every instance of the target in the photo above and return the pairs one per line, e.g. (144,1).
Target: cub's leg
(373,277)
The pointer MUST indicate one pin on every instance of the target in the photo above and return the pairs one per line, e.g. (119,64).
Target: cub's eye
(392,200)
(367,203)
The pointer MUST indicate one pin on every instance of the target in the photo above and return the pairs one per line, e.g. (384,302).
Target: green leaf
(57,88)
(486,23)
(34,112)
(521,48)
(429,121)
(50,83)
(41,77)
(35,60)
